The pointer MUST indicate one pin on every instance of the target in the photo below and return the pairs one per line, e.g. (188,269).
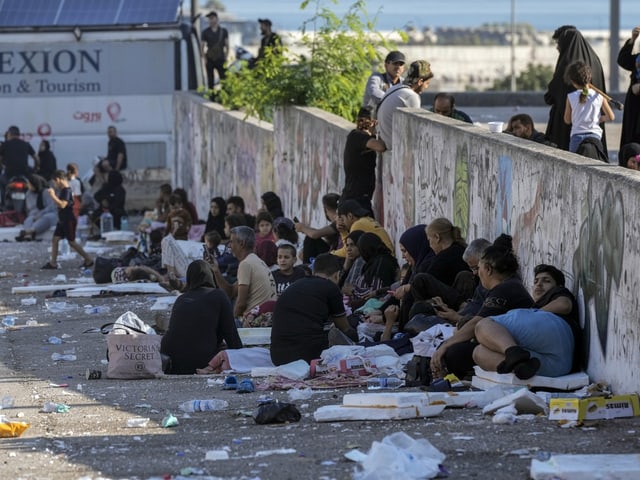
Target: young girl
(264,228)
(585,109)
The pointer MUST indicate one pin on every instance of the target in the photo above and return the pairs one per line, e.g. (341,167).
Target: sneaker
(48,266)
(245,386)
(230,383)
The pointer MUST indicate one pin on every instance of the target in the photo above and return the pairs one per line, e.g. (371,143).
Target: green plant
(341,52)
(534,78)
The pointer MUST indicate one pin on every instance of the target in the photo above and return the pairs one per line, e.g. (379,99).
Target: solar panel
(57,13)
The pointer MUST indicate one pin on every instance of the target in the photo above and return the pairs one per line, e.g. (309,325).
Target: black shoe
(48,266)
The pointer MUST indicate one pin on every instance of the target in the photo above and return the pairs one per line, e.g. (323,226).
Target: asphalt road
(93,441)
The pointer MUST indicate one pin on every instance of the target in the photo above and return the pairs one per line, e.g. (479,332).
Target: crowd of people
(315,286)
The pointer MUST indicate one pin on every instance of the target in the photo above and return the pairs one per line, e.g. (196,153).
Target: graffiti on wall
(504,196)
(597,261)
(461,202)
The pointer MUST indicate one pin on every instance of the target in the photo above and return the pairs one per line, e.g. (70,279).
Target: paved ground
(92,440)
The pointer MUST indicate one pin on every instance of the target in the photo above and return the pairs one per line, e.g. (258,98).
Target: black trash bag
(276,412)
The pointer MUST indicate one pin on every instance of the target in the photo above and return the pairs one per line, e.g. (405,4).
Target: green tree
(216,5)
(534,78)
(333,76)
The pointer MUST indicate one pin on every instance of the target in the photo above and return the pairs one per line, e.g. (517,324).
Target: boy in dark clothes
(66,227)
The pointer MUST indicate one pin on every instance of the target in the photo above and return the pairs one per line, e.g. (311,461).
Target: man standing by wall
(215,49)
(270,41)
(402,95)
(379,82)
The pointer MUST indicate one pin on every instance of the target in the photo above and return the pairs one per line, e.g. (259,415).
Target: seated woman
(379,271)
(498,272)
(441,273)
(179,220)
(271,203)
(353,263)
(111,197)
(201,319)
(538,341)
(215,218)
(42,213)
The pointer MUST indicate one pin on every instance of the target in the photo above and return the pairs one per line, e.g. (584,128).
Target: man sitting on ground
(351,217)
(303,310)
(521,125)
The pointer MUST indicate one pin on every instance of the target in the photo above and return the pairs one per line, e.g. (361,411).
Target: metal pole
(614,45)
(513,45)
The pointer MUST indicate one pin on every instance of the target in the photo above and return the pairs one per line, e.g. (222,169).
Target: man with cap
(360,153)
(215,48)
(379,82)
(352,217)
(270,41)
(402,95)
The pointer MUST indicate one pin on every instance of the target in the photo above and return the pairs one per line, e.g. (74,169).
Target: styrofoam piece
(133,287)
(340,413)
(386,399)
(120,236)
(471,399)
(587,467)
(484,380)
(164,303)
(47,288)
(9,234)
(255,336)
(523,400)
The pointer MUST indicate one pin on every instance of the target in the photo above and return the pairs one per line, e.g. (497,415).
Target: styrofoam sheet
(587,467)
(133,287)
(49,288)
(385,399)
(484,380)
(255,336)
(340,413)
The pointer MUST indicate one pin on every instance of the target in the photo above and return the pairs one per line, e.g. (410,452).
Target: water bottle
(65,249)
(204,405)
(124,224)
(98,309)
(383,383)
(106,222)
(9,321)
(67,357)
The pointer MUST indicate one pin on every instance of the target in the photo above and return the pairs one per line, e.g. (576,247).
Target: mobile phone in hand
(295,220)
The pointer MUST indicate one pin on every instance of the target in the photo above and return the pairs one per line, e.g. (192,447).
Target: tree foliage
(341,50)
(216,5)
(534,78)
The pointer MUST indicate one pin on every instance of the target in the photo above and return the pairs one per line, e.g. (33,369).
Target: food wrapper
(12,429)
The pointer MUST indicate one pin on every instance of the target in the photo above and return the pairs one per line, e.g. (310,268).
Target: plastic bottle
(67,357)
(204,405)
(51,407)
(98,309)
(106,222)
(9,321)
(383,383)
(124,223)
(137,422)
(65,249)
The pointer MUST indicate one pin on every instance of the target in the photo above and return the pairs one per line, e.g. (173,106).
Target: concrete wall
(562,209)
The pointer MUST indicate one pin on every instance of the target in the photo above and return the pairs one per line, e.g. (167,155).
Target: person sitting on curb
(444,104)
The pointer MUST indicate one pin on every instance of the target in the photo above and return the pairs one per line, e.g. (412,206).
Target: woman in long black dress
(571,47)
(201,319)
(631,116)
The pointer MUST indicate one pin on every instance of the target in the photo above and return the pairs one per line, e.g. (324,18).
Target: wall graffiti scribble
(597,262)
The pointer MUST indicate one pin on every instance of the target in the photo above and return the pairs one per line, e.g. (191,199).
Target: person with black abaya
(571,47)
(631,115)
(215,219)
(201,319)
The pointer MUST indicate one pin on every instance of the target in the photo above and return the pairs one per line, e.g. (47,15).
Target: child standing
(585,109)
(66,227)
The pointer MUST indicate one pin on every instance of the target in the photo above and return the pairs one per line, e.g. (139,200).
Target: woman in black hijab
(571,47)
(272,204)
(631,115)
(215,220)
(201,319)
(629,156)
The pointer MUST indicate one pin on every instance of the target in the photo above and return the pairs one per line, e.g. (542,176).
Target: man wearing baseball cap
(403,95)
(270,42)
(380,82)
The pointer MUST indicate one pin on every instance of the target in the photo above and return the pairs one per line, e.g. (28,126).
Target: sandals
(48,266)
(87,265)
(246,386)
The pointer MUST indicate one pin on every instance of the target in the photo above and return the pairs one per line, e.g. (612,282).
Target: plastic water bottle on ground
(66,357)
(383,383)
(204,405)
(124,224)
(96,310)
(65,249)
(106,222)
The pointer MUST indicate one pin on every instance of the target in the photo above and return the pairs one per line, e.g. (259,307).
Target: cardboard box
(354,366)
(594,408)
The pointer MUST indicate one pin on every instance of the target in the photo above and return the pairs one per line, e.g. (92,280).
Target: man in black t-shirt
(215,48)
(270,42)
(14,158)
(303,310)
(360,152)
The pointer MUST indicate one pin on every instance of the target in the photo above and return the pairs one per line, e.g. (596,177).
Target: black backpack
(418,371)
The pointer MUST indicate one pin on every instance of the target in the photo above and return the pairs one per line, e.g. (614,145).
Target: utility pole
(513,45)
(614,45)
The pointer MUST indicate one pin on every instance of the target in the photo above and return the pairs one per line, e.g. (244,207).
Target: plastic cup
(495,127)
